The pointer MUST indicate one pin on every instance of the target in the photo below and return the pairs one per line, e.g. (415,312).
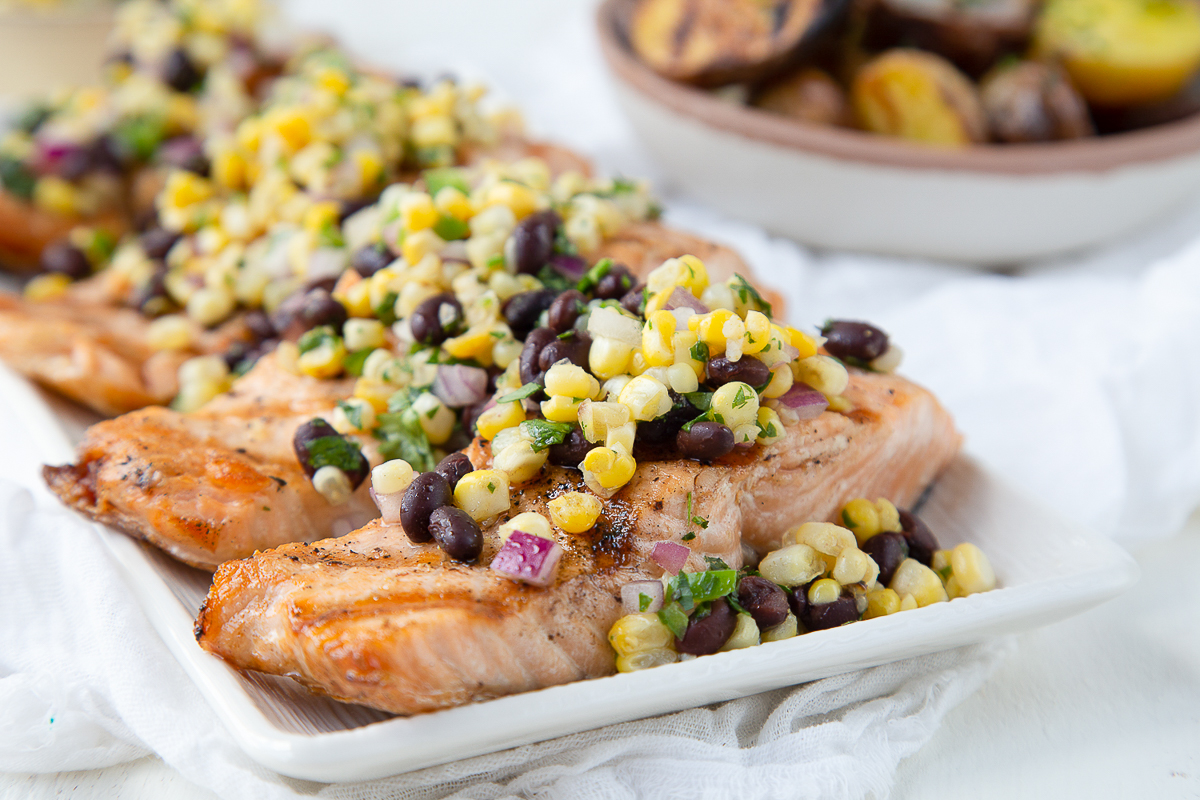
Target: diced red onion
(459,385)
(327,262)
(791,352)
(389,504)
(682,298)
(631,600)
(528,558)
(806,401)
(390,234)
(671,556)
(571,267)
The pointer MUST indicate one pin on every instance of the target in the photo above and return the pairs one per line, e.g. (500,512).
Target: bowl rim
(1094,154)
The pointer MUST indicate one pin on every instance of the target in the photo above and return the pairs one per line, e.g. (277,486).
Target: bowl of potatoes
(981,132)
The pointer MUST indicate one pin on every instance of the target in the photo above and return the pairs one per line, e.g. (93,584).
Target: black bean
(428,492)
(456,533)
(521,311)
(634,300)
(179,72)
(453,467)
(65,258)
(574,348)
(533,240)
(747,369)
(616,283)
(707,635)
(706,440)
(666,428)
(105,155)
(921,542)
(371,258)
(888,550)
(235,354)
(426,321)
(531,354)
(765,601)
(75,164)
(856,340)
(572,450)
(259,325)
(565,310)
(348,208)
(157,242)
(822,616)
(305,310)
(798,600)
(305,435)
(151,298)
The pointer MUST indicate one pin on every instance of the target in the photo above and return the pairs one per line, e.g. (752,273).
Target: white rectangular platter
(1047,571)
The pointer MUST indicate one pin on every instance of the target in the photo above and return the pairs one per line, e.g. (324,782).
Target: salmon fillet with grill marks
(372,618)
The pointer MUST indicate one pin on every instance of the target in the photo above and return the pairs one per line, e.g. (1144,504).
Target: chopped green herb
(140,136)
(562,245)
(353,412)
(400,433)
(528,390)
(567,334)
(545,433)
(450,228)
(553,279)
(32,118)
(334,451)
(644,601)
(675,618)
(386,310)
(700,353)
(701,400)
(491,487)
(17,178)
(946,572)
(438,179)
(496,261)
(687,537)
(847,519)
(592,277)
(317,337)
(740,399)
(354,361)
(716,563)
(330,235)
(747,294)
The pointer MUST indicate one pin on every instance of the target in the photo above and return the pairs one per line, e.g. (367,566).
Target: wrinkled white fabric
(1077,382)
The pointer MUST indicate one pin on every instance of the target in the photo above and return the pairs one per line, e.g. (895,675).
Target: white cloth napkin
(1078,382)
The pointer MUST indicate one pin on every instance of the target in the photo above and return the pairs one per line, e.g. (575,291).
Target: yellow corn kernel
(392,477)
(561,409)
(47,287)
(770,427)
(475,343)
(789,628)
(646,397)
(908,602)
(793,565)
(745,634)
(736,404)
(453,203)
(914,578)
(505,352)
(622,435)
(683,342)
(758,332)
(657,301)
(363,334)
(734,331)
(184,189)
(889,361)
(746,434)
(571,380)
(210,306)
(52,193)
(575,512)
(646,659)
(529,522)
(853,566)
(498,418)
(802,342)
(941,561)
(419,244)
(434,417)
(319,215)
(518,198)
(596,418)
(229,169)
(861,516)
(686,271)
(509,435)
(636,633)
(417,213)
(889,516)
(781,382)
(710,328)
(682,378)
(824,591)
(172,332)
(323,361)
(881,603)
(610,391)
(657,347)
(609,468)
(637,363)
(823,373)
(482,493)
(972,570)
(375,392)
(608,357)
(370,168)
(520,461)
(826,538)
(292,126)
(332,484)
(840,404)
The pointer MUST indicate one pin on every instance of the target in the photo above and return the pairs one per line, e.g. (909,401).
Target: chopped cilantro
(946,572)
(491,487)
(687,537)
(553,279)
(546,433)
(700,353)
(317,337)
(675,618)
(330,235)
(335,451)
(747,295)
(496,261)
(32,118)
(400,433)
(563,245)
(528,390)
(592,277)
(567,334)
(353,363)
(140,136)
(438,179)
(450,228)
(740,399)
(701,400)
(715,563)
(846,518)
(644,601)
(17,178)
(353,412)
(386,310)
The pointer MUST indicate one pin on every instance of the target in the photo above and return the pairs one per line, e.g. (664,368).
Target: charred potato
(810,95)
(715,42)
(1029,101)
(1122,52)
(918,96)
(971,34)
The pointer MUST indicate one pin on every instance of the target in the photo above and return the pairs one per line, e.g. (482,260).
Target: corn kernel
(571,380)
(612,388)
(482,493)
(861,516)
(657,347)
(823,373)
(353,416)
(840,404)
(499,417)
(210,306)
(434,417)
(561,409)
(417,213)
(392,477)
(320,215)
(826,538)
(520,461)
(853,566)
(745,634)
(908,602)
(184,189)
(889,516)
(770,427)
(507,351)
(332,484)
(494,221)
(606,322)
(646,659)
(636,633)
(453,203)
(881,603)
(889,361)
(802,342)
(363,334)
(517,197)
(529,522)
(972,570)
(686,271)
(824,591)
(374,392)
(47,287)
(323,361)
(682,378)
(475,343)
(622,435)
(420,244)
(736,404)
(370,168)
(914,578)
(941,561)
(789,628)
(757,332)
(607,469)
(575,512)
(597,418)
(646,398)
(781,382)
(608,357)
(734,331)
(794,565)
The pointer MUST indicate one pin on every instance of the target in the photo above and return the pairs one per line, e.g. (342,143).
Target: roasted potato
(809,94)
(1122,52)
(1028,101)
(716,42)
(919,96)
(974,35)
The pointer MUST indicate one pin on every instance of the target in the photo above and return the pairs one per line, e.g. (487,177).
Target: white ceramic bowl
(987,205)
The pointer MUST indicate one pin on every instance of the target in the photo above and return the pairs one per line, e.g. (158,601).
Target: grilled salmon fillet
(217,483)
(372,618)
(205,486)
